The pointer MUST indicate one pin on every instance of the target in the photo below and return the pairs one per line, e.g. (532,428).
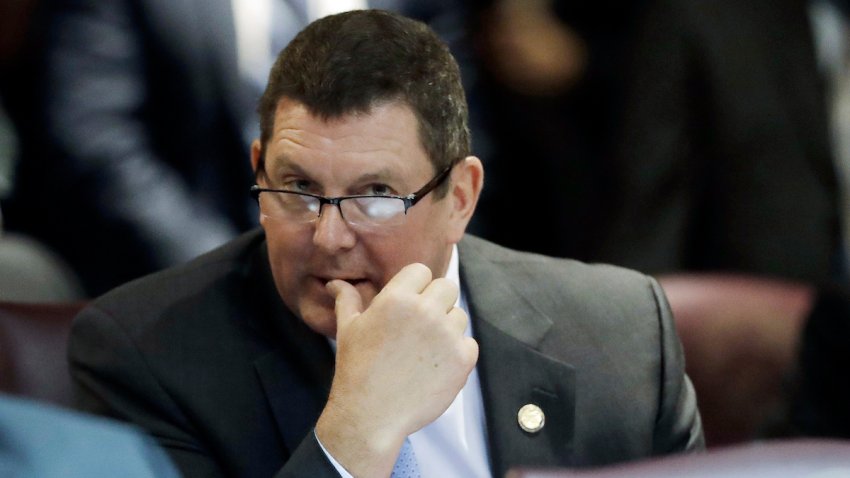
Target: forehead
(386,137)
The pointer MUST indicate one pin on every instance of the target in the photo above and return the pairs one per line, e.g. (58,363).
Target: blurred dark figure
(547,95)
(132,149)
(726,161)
(821,394)
(29,271)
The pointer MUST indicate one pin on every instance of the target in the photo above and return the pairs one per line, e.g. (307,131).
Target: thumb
(349,304)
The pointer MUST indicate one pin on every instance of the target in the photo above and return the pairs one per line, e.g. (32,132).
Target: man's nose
(332,233)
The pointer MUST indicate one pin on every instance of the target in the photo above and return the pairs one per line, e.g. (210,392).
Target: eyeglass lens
(364,211)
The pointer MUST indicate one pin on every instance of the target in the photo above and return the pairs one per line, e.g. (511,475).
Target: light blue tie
(406,465)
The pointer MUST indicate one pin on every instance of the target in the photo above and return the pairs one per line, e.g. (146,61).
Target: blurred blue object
(48,442)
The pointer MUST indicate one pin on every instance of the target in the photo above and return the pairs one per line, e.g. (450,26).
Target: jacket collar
(510,329)
(296,374)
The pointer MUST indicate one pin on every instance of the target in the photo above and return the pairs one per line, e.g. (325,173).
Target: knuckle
(419,269)
(458,316)
(442,282)
(428,309)
(387,300)
(391,296)
(446,285)
(424,307)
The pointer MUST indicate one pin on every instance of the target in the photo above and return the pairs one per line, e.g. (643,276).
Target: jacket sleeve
(678,426)
(308,460)
(111,377)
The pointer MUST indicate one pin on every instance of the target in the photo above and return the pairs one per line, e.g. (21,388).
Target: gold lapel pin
(531,418)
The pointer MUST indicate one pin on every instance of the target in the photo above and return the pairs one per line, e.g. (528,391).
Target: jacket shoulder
(552,271)
(205,280)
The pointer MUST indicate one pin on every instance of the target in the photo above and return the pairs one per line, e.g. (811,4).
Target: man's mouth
(351,280)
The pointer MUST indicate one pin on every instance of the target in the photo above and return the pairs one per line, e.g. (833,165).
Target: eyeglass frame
(409,201)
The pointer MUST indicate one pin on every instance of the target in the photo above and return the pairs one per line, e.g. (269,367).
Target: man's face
(375,153)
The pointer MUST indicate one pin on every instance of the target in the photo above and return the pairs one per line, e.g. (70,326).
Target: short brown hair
(347,63)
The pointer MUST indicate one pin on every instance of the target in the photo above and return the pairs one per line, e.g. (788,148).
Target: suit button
(531,418)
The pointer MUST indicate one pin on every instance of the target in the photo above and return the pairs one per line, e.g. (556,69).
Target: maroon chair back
(770,459)
(33,349)
(740,335)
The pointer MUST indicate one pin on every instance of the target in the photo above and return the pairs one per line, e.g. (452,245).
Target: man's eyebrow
(281,163)
(382,175)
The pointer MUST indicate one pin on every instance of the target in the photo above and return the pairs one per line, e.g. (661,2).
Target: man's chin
(321,318)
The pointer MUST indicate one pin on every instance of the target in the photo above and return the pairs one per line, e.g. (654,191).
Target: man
(339,339)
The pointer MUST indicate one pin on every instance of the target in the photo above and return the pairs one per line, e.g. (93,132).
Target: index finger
(412,277)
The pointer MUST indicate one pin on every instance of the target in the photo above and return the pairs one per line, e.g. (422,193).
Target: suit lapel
(509,328)
(296,374)
(295,397)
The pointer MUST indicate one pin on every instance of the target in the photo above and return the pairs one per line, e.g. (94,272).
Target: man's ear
(256,155)
(467,181)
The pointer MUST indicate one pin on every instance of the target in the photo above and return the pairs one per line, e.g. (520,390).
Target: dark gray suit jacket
(207,358)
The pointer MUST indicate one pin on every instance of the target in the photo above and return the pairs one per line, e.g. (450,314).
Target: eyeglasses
(365,211)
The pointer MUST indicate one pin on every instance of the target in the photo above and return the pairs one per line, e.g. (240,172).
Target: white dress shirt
(453,445)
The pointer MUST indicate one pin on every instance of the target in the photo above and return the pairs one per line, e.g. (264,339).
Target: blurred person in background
(133,116)
(29,270)
(726,161)
(731,186)
(546,94)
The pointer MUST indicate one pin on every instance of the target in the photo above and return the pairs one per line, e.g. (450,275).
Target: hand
(399,365)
